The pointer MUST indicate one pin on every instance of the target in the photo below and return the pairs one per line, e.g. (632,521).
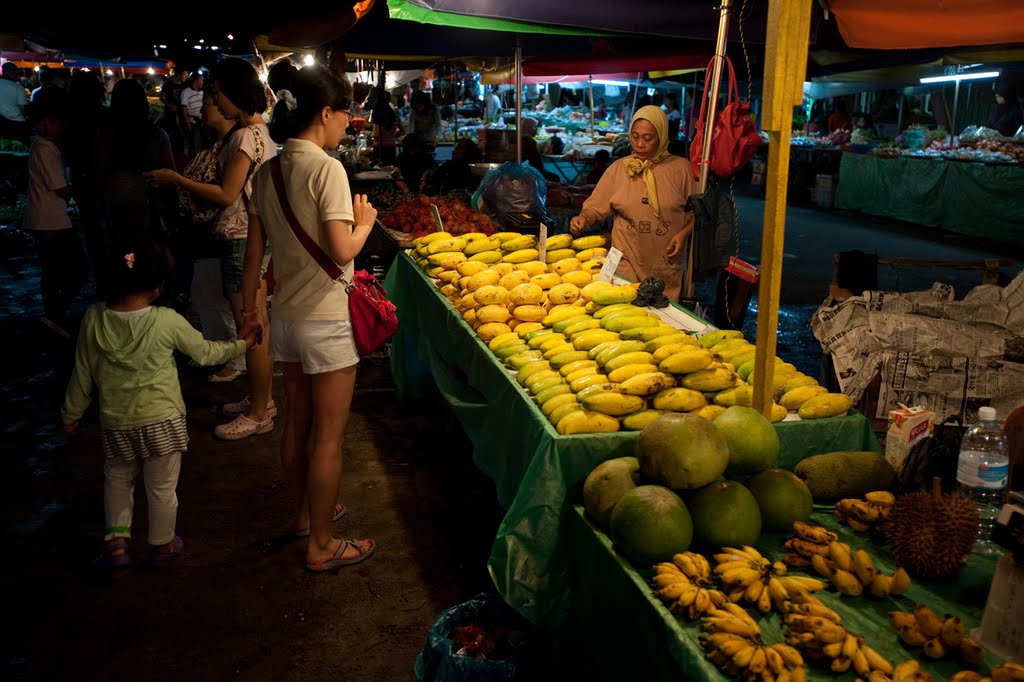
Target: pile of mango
(441,251)
(591,360)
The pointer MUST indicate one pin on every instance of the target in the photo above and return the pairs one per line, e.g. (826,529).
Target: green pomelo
(753,441)
(651,524)
(782,498)
(682,451)
(606,484)
(725,514)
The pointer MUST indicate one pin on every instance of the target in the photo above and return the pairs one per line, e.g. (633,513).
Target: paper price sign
(542,244)
(611,264)
(438,224)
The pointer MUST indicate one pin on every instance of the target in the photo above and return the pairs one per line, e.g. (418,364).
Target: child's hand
(251,331)
(70,427)
(253,338)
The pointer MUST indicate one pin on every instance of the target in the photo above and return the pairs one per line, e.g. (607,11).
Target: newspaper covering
(952,356)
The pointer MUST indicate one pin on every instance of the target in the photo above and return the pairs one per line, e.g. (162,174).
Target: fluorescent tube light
(621,84)
(961,77)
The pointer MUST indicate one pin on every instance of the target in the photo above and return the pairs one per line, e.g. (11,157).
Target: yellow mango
(492,313)
(526,294)
(561,325)
(560,294)
(586,421)
(592,337)
(491,294)
(529,313)
(559,412)
(579,373)
(591,254)
(566,265)
(480,245)
(507,339)
(520,256)
(482,279)
(565,358)
(533,267)
(646,334)
(737,395)
(795,398)
(713,338)
(613,403)
(518,360)
(531,368)
(679,399)
(547,280)
(589,242)
(505,236)
(580,383)
(629,358)
(514,279)
(619,348)
(558,349)
(552,404)
(645,384)
(709,412)
(616,294)
(709,380)
(825,405)
(588,324)
(566,370)
(527,327)
(621,374)
(669,350)
(639,420)
(487,332)
(593,266)
(588,290)
(520,243)
(552,257)
(486,257)
(686,361)
(620,323)
(579,278)
(559,241)
(432,237)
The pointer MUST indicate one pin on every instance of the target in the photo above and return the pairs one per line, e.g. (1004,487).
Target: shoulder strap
(314,250)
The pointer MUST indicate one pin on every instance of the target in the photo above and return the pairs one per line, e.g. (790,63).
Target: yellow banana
(900,581)
(685,563)
(816,534)
(927,621)
(864,567)
(743,657)
(876,660)
(972,653)
(906,670)
(833,650)
(801,583)
(764,602)
(899,619)
(674,591)
(934,648)
(881,586)
(911,635)
(850,645)
(840,555)
(667,567)
(790,656)
(778,592)
(758,662)
(847,583)
(823,566)
(686,598)
(881,498)
(731,625)
(841,664)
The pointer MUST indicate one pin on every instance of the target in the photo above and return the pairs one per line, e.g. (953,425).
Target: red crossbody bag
(374,318)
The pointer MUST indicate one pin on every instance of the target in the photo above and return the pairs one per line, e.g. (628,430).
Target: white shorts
(320,346)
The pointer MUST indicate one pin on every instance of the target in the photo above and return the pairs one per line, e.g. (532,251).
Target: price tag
(611,264)
(542,244)
(438,223)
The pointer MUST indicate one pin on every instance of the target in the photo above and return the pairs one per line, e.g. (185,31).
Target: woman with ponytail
(311,335)
(647,193)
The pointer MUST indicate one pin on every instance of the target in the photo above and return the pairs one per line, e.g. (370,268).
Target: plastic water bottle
(982,470)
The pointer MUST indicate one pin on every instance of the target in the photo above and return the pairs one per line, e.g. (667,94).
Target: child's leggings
(160,474)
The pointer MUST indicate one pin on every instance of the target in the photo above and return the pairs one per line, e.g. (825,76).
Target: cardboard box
(907,426)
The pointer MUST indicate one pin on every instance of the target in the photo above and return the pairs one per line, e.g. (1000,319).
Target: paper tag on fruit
(611,264)
(542,244)
(438,223)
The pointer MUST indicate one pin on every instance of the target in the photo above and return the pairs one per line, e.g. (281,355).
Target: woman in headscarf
(646,192)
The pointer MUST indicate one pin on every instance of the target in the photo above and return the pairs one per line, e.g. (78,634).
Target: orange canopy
(905,24)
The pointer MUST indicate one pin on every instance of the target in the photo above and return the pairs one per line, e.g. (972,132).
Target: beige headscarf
(635,166)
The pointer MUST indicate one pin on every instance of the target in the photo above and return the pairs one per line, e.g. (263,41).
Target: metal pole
(590,84)
(952,118)
(712,94)
(899,116)
(519,100)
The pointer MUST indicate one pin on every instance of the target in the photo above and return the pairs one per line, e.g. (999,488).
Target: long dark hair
(238,81)
(129,108)
(314,87)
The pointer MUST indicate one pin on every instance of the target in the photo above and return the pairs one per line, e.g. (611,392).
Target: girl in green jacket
(126,352)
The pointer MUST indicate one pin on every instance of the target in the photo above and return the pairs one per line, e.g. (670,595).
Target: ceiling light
(110,72)
(621,84)
(230,37)
(308,60)
(214,47)
(202,40)
(162,47)
(86,69)
(150,71)
(961,77)
(197,47)
(35,68)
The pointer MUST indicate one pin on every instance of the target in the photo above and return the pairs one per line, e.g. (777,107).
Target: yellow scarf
(635,166)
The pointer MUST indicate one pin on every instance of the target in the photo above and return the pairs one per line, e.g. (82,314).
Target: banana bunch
(747,576)
(907,671)
(807,541)
(685,584)
(939,637)
(1004,672)
(863,515)
(821,638)
(853,572)
(732,641)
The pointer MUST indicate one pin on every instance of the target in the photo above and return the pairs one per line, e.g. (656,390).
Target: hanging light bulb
(308,60)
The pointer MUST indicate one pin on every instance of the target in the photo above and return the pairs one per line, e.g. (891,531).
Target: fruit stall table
(959,196)
(614,609)
(537,472)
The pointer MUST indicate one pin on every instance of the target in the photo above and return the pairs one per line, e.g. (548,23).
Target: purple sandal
(110,561)
(161,558)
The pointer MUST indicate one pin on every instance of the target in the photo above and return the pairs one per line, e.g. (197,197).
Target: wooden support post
(789,24)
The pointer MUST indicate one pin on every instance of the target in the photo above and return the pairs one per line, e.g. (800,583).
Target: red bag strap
(312,248)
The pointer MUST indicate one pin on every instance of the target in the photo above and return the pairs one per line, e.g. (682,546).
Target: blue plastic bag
(437,660)
(512,188)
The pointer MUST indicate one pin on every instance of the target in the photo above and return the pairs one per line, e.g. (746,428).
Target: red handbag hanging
(734,138)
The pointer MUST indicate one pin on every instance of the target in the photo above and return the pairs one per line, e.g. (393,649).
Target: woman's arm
(345,240)
(224,194)
(255,248)
(598,205)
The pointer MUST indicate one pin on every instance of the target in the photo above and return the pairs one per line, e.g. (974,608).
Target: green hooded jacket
(130,361)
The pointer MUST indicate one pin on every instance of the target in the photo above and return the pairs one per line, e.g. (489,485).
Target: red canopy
(906,24)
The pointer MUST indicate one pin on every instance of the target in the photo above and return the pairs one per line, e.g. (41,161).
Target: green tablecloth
(538,473)
(967,198)
(614,609)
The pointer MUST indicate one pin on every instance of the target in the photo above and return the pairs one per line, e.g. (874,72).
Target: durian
(932,534)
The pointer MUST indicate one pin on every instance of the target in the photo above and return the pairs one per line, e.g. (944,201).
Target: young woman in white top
(242,98)
(311,335)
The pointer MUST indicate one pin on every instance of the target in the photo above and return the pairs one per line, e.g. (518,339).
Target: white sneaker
(243,405)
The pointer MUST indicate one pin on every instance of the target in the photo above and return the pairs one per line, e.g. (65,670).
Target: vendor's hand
(363,211)
(577,225)
(71,427)
(676,243)
(161,176)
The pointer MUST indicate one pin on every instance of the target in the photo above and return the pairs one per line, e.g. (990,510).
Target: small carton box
(907,426)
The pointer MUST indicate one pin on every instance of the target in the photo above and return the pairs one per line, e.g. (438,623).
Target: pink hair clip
(129,259)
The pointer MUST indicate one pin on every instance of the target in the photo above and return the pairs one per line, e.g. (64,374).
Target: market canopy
(905,24)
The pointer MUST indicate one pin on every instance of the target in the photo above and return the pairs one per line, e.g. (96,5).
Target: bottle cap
(987,414)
